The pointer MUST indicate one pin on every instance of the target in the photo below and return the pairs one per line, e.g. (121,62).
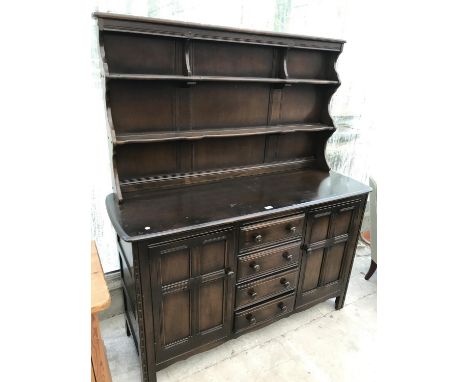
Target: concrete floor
(320,344)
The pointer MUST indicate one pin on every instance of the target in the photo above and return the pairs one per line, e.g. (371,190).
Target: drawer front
(267,261)
(259,290)
(263,313)
(271,231)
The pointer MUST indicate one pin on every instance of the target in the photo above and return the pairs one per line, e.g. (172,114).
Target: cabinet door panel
(211,300)
(329,230)
(212,256)
(192,291)
(332,263)
(176,316)
(319,227)
(312,265)
(342,221)
(175,265)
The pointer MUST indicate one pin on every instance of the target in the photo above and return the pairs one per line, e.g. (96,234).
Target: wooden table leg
(93,378)
(98,353)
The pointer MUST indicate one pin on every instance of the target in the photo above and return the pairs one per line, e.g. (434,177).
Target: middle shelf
(121,139)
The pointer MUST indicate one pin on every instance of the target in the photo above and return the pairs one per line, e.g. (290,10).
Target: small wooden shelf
(162,77)
(233,132)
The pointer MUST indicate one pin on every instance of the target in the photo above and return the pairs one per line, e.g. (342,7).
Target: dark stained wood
(250,318)
(133,104)
(329,240)
(332,263)
(178,29)
(122,139)
(229,105)
(231,59)
(210,154)
(175,265)
(272,230)
(126,53)
(227,215)
(220,104)
(193,78)
(194,303)
(311,265)
(371,271)
(311,64)
(209,205)
(264,288)
(267,261)
(175,317)
(185,163)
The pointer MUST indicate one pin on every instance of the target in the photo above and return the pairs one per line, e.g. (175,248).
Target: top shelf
(182,30)
(161,77)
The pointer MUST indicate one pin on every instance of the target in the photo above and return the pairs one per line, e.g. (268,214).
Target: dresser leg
(372,268)
(127,328)
(339,302)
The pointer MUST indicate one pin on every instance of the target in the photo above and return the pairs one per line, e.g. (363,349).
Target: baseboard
(114,283)
(113,280)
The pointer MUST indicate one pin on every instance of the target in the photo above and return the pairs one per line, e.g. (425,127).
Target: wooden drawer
(271,231)
(262,289)
(263,313)
(267,261)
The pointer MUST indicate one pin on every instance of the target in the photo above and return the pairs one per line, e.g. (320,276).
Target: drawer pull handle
(254,266)
(292,229)
(287,256)
(282,306)
(252,293)
(258,238)
(229,272)
(251,318)
(285,282)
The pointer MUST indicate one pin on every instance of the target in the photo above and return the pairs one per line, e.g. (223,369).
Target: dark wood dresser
(227,215)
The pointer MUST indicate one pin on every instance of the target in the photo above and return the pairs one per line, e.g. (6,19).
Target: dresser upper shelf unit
(189,104)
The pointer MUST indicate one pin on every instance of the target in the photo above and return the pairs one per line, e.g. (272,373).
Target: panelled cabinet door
(192,285)
(329,231)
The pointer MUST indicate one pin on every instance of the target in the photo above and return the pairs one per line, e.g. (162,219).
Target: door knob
(287,256)
(282,306)
(251,318)
(254,266)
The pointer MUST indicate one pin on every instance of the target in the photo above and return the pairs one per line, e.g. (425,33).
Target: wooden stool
(100,300)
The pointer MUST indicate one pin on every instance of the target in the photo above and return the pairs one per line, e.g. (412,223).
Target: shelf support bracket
(283,67)
(187,62)
(284,64)
(187,66)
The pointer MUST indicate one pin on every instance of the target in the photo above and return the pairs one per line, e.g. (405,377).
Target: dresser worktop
(200,206)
